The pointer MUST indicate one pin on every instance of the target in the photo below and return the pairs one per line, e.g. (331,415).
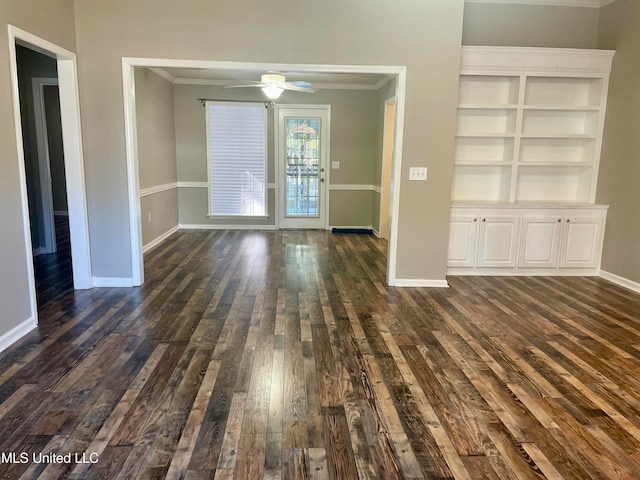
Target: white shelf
(530,125)
(484,149)
(488,89)
(563,91)
(557,150)
(481,183)
(553,183)
(483,121)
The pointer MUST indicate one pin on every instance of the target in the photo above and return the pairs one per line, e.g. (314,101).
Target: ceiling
(557,3)
(321,80)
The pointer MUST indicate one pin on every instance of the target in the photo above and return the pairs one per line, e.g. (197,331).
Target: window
(236,146)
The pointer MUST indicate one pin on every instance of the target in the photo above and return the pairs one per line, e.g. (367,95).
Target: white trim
(131,151)
(161,72)
(62,213)
(144,192)
(353,186)
(226,227)
(112,282)
(555,3)
(377,189)
(38,251)
(44,162)
(351,227)
(396,176)
(157,241)
(319,86)
(375,232)
(131,141)
(384,81)
(516,272)
(621,281)
(193,185)
(419,282)
(17,332)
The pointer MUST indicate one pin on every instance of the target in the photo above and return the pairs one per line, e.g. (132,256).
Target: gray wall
(54,21)
(155,125)
(353,143)
(425,36)
(32,64)
(530,25)
(620,165)
(56,148)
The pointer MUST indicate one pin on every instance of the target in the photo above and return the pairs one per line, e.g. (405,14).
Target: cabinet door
(497,246)
(463,235)
(539,241)
(580,246)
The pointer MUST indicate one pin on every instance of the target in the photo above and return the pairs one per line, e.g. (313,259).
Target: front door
(303,150)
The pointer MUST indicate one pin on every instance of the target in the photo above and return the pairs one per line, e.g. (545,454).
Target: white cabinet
(498,241)
(526,239)
(463,235)
(581,242)
(540,240)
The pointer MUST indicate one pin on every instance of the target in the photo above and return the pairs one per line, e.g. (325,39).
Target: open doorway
(45,173)
(61,102)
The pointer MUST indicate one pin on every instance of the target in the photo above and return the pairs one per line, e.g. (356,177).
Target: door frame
(129,97)
(74,161)
(385,195)
(44,162)
(325,154)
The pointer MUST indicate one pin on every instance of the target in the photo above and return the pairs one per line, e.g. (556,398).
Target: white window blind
(236,144)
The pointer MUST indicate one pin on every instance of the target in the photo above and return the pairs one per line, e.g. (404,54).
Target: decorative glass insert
(302,137)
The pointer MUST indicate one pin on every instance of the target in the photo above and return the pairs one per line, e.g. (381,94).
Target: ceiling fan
(273,84)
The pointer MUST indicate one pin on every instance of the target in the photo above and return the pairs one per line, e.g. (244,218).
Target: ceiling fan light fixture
(272,91)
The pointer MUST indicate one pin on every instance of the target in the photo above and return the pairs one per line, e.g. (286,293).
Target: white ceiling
(322,80)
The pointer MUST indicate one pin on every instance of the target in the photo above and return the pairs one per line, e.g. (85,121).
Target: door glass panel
(302,137)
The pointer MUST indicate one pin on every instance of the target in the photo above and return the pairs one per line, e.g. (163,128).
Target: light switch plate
(418,173)
(335,165)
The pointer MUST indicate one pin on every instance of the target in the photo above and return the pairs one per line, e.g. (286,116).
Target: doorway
(71,144)
(302,159)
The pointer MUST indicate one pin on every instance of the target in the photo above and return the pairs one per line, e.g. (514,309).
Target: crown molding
(552,3)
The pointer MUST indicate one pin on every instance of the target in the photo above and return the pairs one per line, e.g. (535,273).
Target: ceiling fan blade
(297,88)
(301,83)
(258,85)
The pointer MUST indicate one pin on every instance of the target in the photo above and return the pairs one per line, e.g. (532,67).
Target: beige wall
(354,123)
(155,125)
(425,36)
(54,21)
(530,25)
(620,164)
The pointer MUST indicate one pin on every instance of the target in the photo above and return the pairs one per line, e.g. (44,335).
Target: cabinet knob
(559,220)
(568,220)
(484,219)
(475,219)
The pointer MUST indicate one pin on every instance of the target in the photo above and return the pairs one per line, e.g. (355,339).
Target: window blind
(236,139)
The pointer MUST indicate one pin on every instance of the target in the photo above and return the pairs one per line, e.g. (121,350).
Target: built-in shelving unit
(530,124)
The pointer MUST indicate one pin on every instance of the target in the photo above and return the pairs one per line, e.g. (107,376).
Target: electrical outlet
(335,165)
(418,173)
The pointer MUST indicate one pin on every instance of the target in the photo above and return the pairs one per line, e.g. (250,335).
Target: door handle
(322,179)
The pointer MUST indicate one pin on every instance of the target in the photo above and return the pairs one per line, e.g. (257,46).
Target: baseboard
(38,251)
(522,272)
(62,213)
(620,281)
(375,232)
(351,227)
(160,239)
(420,282)
(16,333)
(184,226)
(113,282)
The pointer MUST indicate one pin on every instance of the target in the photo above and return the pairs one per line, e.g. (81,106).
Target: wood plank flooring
(268,355)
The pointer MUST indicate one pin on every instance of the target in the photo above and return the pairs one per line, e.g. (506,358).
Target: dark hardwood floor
(284,355)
